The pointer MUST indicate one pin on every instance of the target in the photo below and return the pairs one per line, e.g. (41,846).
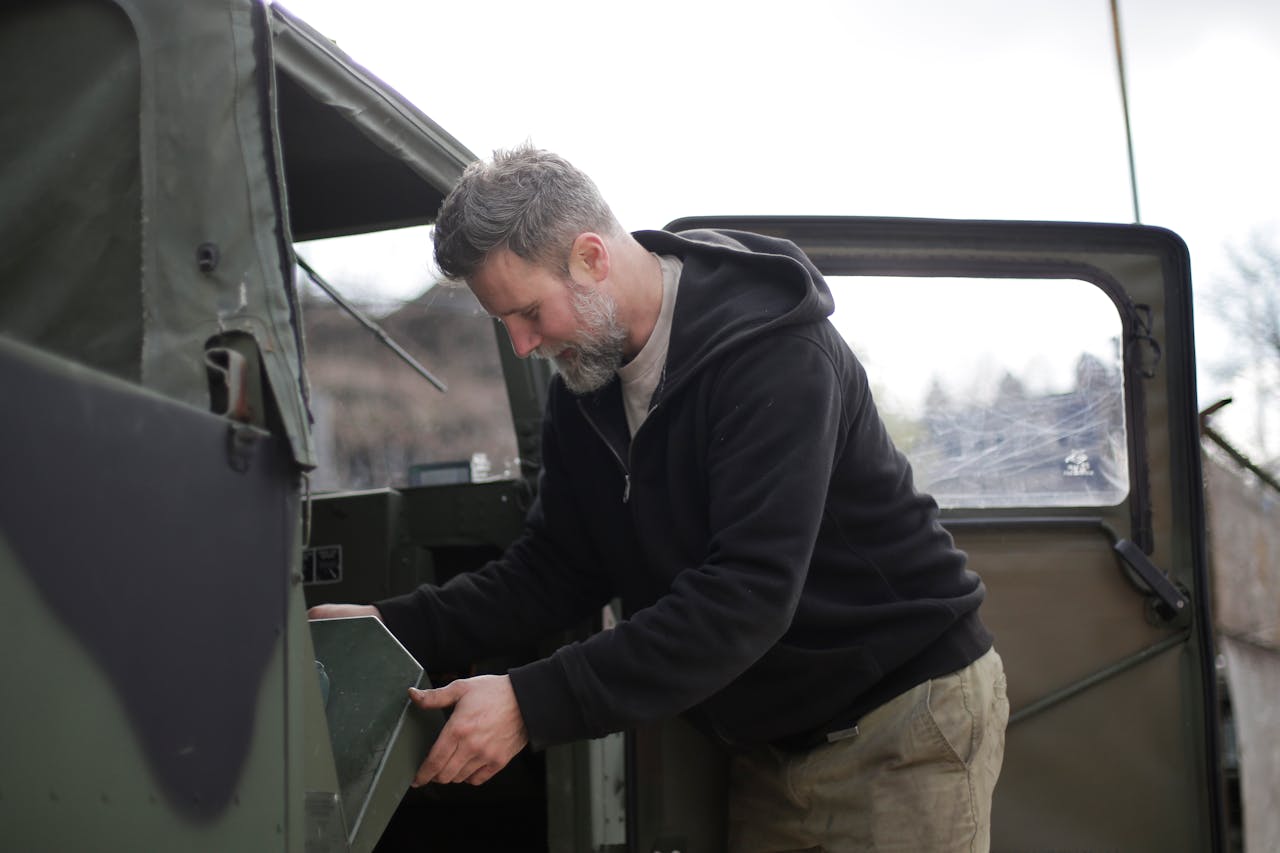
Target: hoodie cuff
(551,713)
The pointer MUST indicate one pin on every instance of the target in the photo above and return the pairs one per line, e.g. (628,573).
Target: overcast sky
(991,109)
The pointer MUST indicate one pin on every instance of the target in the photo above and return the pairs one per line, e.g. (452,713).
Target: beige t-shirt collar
(641,375)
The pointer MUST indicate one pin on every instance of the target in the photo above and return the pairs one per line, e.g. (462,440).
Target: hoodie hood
(735,285)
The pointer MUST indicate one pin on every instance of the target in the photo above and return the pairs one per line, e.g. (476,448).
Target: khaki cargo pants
(918,776)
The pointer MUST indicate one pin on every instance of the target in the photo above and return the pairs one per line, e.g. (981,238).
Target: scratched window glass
(379,419)
(1002,392)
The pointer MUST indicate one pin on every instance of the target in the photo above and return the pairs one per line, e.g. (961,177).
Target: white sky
(989,109)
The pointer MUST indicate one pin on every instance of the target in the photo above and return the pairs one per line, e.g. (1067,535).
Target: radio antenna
(1124,102)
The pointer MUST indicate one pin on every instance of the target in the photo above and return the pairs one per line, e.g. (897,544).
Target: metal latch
(1171,603)
(241,441)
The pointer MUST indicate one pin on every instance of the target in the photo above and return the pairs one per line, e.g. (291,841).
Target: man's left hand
(484,732)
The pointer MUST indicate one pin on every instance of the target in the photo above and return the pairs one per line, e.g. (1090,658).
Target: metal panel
(148,648)
(378,737)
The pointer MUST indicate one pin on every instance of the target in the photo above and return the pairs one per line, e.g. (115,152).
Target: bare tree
(1248,304)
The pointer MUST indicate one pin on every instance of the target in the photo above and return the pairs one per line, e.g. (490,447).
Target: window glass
(1002,392)
(378,421)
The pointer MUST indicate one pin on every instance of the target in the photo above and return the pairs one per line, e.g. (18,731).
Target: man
(713,456)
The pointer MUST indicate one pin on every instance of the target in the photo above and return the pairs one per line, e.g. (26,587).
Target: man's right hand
(338,611)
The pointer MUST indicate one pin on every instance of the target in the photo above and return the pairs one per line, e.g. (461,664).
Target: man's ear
(590,254)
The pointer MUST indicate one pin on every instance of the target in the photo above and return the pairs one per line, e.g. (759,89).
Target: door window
(1002,392)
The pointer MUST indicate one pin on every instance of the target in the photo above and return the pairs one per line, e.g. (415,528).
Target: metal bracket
(228,373)
(1171,604)
(241,440)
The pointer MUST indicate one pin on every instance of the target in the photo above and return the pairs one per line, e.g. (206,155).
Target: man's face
(572,324)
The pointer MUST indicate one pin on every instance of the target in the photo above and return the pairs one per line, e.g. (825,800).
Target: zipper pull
(626,488)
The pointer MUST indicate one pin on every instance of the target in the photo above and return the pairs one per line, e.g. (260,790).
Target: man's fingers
(443,750)
(483,733)
(452,746)
(439,697)
(452,759)
(484,774)
(458,770)
(339,611)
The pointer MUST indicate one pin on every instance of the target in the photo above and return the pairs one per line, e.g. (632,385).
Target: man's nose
(524,340)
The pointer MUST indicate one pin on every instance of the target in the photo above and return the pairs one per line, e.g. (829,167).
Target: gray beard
(597,354)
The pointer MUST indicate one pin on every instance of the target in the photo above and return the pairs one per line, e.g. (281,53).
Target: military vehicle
(163,444)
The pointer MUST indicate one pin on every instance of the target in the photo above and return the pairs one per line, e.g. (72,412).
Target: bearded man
(714,458)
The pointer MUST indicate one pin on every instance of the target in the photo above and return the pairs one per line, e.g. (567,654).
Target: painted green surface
(378,737)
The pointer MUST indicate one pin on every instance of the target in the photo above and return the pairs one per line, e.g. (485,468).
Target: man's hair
(530,201)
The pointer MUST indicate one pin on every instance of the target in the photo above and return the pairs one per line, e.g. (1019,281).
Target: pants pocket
(970,708)
(950,718)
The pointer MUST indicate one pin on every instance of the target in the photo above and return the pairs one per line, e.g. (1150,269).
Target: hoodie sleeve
(543,583)
(774,426)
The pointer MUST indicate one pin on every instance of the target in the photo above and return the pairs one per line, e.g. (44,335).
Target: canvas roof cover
(144,161)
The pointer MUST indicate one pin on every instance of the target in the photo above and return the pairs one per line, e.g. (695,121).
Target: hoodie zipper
(625,464)
(622,463)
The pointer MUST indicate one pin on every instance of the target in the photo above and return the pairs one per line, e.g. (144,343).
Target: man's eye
(529,313)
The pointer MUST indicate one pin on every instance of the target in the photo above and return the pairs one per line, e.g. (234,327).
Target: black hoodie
(779,573)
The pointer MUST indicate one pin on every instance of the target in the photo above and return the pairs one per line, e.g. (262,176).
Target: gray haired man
(713,457)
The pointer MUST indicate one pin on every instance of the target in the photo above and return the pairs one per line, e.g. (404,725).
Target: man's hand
(336,611)
(484,732)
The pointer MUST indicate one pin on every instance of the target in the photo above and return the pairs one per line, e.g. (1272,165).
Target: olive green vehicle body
(160,685)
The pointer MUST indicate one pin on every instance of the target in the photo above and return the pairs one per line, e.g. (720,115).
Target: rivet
(207,256)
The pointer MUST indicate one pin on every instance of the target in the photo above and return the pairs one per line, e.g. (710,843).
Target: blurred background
(987,109)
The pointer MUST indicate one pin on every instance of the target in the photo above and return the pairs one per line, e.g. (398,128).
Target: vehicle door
(1041,379)
(152,436)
